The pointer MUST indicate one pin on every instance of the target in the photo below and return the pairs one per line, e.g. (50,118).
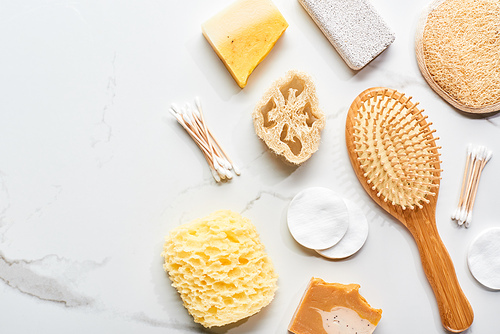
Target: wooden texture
(454,308)
(419,52)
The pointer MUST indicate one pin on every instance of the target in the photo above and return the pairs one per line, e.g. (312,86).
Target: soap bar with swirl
(334,308)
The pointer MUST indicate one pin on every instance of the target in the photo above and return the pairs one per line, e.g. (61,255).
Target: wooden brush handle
(454,308)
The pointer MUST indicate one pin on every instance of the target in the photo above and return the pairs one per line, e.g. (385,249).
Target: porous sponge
(220,268)
(288,118)
(461,47)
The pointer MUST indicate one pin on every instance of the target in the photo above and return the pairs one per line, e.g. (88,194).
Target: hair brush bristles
(396,149)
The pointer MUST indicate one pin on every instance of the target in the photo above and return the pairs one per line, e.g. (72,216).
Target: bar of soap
(334,308)
(243,34)
(353,27)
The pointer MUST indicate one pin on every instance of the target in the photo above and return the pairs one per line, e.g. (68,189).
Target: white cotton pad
(484,258)
(354,238)
(317,218)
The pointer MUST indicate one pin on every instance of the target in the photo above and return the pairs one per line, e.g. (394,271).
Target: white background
(94,171)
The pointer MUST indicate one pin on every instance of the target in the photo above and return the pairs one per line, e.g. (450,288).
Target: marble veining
(56,191)
(103,130)
(259,196)
(39,278)
(170,324)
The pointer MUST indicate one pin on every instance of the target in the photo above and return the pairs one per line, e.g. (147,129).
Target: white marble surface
(94,172)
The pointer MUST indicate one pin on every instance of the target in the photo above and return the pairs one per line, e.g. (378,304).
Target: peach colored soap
(334,308)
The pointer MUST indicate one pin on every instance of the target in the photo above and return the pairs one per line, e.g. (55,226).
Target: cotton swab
(192,120)
(487,156)
(477,157)
(455,215)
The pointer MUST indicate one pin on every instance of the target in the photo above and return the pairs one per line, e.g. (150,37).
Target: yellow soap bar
(334,308)
(243,34)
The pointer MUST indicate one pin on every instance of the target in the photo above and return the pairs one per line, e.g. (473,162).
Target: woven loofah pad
(288,117)
(458,48)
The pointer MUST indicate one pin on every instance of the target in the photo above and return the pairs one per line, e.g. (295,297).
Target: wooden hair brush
(395,157)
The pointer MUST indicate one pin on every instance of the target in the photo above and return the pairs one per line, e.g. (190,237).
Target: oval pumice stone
(483,259)
(355,237)
(317,218)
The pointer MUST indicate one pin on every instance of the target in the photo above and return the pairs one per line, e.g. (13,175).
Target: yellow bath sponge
(219,267)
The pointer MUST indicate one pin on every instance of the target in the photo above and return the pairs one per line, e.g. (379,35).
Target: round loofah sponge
(458,47)
(289,119)
(219,267)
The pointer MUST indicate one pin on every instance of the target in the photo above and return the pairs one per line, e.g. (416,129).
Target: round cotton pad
(483,259)
(317,218)
(354,238)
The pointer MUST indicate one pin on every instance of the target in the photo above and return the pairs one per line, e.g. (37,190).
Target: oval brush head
(395,148)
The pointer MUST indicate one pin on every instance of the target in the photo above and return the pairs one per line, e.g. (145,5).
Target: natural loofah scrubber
(288,117)
(458,48)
